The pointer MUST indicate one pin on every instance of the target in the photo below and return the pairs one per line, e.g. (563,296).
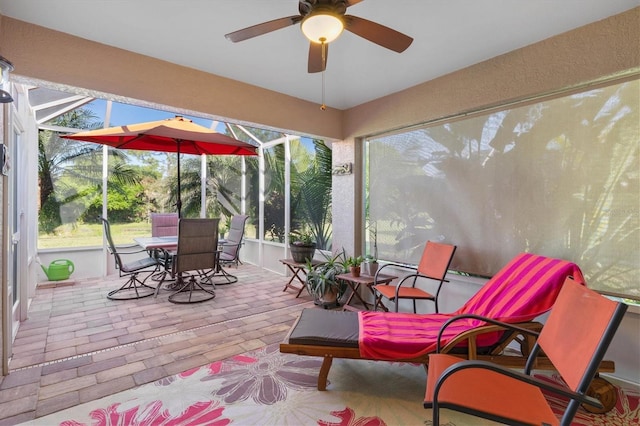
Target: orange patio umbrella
(178,134)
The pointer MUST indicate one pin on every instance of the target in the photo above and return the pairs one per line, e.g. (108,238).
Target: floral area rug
(265,387)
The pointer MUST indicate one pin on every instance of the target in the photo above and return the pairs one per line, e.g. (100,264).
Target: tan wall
(37,52)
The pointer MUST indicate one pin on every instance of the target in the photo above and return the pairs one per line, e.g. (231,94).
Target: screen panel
(559,178)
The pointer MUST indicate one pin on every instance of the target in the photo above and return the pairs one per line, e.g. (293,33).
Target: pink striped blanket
(524,289)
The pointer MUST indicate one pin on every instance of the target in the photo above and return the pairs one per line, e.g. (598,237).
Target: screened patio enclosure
(289,185)
(81,181)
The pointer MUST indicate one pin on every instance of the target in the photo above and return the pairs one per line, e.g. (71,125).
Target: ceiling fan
(322,21)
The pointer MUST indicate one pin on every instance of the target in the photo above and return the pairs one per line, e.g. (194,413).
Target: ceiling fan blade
(306,6)
(316,62)
(263,28)
(352,2)
(377,33)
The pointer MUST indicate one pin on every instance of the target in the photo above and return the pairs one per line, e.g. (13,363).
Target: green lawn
(89,235)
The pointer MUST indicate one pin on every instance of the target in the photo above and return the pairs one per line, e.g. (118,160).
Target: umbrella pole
(179,202)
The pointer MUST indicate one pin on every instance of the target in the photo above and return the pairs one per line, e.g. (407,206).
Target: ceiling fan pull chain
(324,63)
(323,106)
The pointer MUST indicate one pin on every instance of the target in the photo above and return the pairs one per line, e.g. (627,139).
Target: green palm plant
(312,198)
(222,184)
(70,170)
(274,159)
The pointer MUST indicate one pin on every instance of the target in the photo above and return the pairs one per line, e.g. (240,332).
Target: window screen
(559,178)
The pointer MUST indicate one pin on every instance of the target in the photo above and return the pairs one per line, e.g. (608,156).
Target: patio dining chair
(230,254)
(197,251)
(133,288)
(575,338)
(433,266)
(163,225)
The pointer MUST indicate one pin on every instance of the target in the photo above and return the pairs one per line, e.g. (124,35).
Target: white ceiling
(448,35)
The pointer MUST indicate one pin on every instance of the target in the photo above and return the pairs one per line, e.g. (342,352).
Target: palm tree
(223,183)
(274,194)
(69,170)
(311,194)
(223,186)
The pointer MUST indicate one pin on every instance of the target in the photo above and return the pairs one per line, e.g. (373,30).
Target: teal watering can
(58,270)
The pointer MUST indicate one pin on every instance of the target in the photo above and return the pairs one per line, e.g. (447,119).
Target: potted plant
(370,265)
(222,229)
(302,245)
(353,263)
(321,280)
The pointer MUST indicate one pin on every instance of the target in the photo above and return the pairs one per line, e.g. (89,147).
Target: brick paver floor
(79,346)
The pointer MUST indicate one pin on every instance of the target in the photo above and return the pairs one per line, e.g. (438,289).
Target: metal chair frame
(134,288)
(434,264)
(575,337)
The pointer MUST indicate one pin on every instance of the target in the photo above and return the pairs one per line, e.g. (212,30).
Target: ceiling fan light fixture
(322,26)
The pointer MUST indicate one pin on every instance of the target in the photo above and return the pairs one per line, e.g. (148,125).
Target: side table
(367,280)
(297,268)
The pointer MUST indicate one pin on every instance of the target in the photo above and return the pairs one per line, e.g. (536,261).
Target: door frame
(14,262)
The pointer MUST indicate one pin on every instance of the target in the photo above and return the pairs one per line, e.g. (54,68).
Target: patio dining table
(169,245)
(160,243)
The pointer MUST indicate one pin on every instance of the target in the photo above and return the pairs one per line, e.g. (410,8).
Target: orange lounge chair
(434,264)
(575,338)
(521,291)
